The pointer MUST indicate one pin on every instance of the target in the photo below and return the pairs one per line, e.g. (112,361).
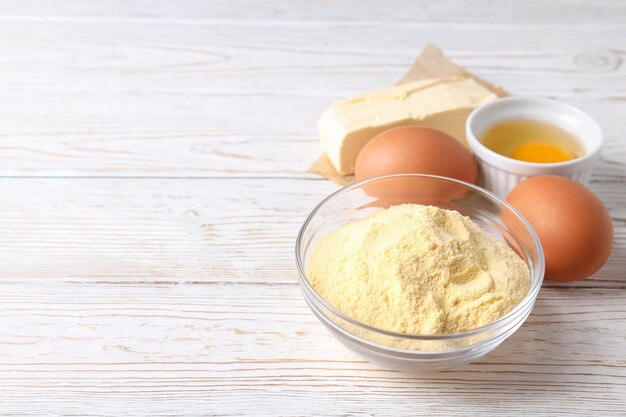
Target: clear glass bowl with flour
(395,345)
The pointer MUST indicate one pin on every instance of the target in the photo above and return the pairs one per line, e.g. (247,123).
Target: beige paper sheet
(431,63)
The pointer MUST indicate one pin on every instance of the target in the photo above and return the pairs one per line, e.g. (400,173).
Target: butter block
(440,103)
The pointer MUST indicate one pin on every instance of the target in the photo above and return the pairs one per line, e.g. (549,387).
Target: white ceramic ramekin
(499,173)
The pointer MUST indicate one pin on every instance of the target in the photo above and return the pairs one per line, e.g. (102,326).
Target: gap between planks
(573,285)
(272,23)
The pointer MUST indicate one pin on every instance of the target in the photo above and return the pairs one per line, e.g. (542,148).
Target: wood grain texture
(153,178)
(234,349)
(180,230)
(484,11)
(134,98)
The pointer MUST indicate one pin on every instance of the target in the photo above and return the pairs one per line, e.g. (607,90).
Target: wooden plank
(121,98)
(484,11)
(180,230)
(235,349)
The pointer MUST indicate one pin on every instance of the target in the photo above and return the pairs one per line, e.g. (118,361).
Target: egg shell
(574,227)
(415,150)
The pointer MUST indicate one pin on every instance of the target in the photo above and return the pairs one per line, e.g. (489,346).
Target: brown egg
(573,225)
(415,150)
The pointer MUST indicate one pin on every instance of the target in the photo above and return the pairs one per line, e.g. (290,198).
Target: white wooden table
(153,178)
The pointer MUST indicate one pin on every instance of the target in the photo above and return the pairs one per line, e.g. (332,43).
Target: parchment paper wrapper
(431,63)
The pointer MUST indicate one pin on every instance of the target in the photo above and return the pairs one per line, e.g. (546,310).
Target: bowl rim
(484,152)
(528,299)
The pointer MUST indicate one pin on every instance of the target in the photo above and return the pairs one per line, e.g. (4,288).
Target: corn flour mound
(418,270)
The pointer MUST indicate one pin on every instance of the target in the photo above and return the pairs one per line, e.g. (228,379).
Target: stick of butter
(440,103)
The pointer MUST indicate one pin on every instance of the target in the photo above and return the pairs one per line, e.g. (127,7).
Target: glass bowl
(407,352)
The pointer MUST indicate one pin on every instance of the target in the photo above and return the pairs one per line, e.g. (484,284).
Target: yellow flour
(418,270)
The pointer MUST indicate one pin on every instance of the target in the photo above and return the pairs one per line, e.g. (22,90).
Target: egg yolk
(541,152)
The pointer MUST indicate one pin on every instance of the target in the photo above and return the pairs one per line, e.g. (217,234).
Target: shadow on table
(554,351)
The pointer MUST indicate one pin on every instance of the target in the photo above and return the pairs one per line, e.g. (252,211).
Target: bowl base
(401,364)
